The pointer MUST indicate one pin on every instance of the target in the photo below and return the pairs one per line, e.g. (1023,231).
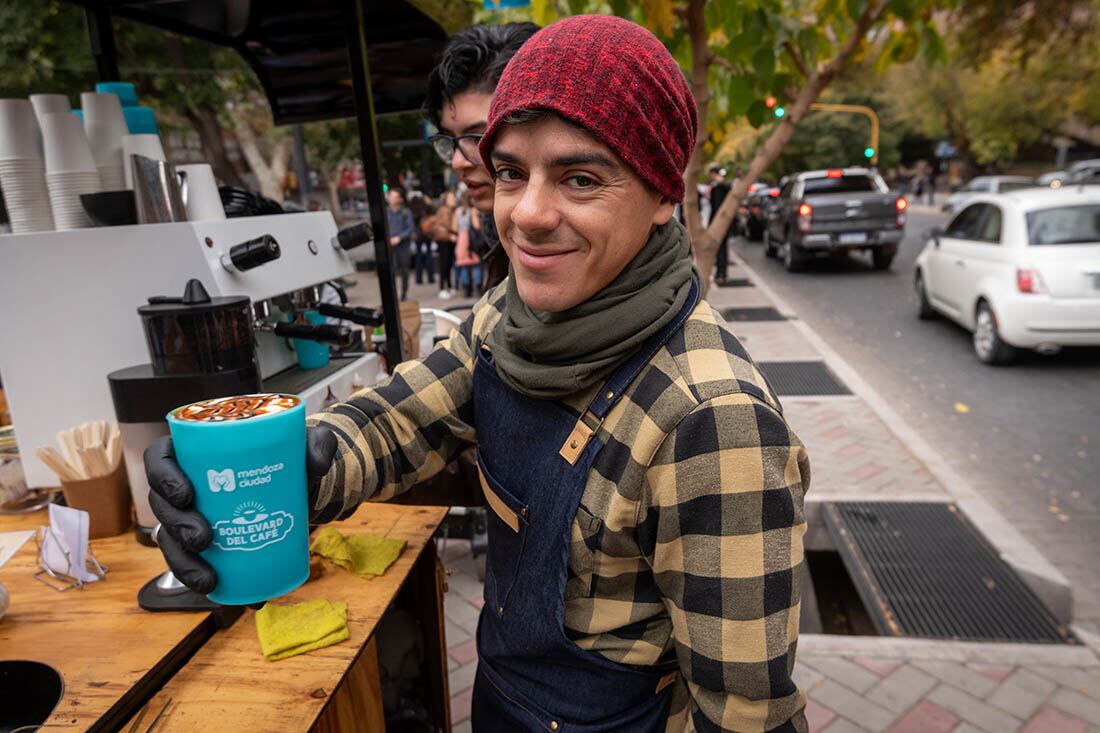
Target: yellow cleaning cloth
(363,554)
(285,631)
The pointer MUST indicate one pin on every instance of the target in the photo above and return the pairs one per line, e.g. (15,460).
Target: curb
(1035,570)
(1000,653)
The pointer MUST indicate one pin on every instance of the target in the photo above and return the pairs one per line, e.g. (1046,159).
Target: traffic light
(868,152)
(779,111)
(772,104)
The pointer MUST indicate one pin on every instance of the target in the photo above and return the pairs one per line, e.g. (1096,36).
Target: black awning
(298,48)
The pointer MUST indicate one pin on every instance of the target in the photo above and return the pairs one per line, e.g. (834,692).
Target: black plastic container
(197,334)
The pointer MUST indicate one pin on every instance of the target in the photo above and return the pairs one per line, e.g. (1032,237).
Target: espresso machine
(73,299)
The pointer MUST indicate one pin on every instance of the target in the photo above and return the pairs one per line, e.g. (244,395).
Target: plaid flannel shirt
(688,540)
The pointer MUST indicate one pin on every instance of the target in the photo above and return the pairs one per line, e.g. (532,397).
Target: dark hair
(473,61)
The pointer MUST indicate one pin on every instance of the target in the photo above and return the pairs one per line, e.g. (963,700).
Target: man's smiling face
(570,213)
(466,114)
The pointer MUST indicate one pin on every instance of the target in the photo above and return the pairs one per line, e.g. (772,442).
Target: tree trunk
(205,122)
(334,201)
(705,246)
(701,57)
(270,173)
(1080,131)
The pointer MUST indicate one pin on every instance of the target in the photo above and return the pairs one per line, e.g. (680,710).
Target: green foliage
(44,47)
(1010,99)
(826,140)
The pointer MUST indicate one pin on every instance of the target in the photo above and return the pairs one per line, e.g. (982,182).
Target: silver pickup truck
(835,211)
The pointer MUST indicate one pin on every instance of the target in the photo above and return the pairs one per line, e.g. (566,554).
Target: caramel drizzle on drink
(237,408)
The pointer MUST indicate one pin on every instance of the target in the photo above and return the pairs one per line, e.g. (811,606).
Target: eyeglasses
(445,145)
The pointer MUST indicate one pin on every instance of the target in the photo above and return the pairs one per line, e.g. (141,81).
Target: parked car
(752,216)
(1019,270)
(1085,171)
(1051,178)
(835,211)
(986,184)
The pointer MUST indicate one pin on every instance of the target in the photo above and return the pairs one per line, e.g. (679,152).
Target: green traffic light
(779,111)
(869,152)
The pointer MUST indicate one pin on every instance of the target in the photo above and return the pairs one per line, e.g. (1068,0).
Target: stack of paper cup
(22,168)
(45,104)
(70,169)
(144,144)
(105,125)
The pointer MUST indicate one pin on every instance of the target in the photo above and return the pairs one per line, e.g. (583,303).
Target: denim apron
(534,457)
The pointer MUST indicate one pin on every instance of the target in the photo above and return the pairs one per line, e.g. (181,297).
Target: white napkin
(10,542)
(69,535)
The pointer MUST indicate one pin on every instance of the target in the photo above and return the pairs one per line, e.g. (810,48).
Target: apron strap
(624,376)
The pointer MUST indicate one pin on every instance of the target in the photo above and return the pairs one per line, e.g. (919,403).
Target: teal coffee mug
(246,457)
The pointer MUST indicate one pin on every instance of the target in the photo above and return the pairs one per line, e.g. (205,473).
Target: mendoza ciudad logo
(228,481)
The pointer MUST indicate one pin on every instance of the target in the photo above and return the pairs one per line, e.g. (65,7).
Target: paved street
(1026,436)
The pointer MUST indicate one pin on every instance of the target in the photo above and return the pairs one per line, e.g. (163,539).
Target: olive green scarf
(554,355)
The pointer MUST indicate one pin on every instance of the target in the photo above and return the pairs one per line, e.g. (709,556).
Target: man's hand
(184,533)
(394,241)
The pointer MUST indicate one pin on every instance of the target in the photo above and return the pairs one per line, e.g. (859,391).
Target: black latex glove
(184,532)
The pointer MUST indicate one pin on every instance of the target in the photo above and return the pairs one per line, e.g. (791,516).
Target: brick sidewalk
(872,690)
(852,683)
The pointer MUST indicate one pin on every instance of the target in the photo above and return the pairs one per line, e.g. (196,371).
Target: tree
(189,83)
(736,53)
(332,146)
(1019,90)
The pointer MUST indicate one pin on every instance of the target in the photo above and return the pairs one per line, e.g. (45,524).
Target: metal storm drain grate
(737,282)
(752,314)
(801,378)
(921,569)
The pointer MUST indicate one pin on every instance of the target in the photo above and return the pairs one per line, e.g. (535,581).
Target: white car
(985,184)
(1019,270)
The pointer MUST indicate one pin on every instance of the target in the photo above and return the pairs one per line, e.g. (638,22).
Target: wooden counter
(108,650)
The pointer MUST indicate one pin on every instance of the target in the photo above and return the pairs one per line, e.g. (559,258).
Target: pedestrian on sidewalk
(459,92)
(646,492)
(423,217)
(719,189)
(467,262)
(399,222)
(444,235)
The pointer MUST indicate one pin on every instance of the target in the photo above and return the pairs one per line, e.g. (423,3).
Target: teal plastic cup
(312,354)
(246,457)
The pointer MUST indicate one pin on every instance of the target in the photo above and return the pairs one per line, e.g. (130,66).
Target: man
(719,189)
(423,211)
(399,222)
(646,493)
(459,92)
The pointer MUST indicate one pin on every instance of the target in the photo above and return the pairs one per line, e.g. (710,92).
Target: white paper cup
(67,148)
(110,176)
(200,192)
(19,135)
(25,195)
(45,104)
(105,126)
(65,190)
(145,144)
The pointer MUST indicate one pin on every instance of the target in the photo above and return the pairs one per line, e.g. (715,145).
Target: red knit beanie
(613,78)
